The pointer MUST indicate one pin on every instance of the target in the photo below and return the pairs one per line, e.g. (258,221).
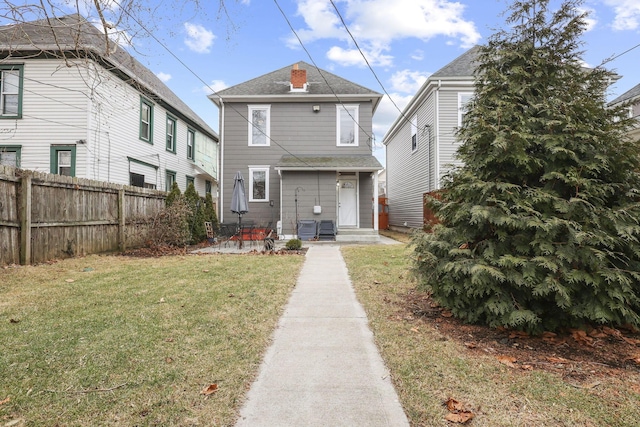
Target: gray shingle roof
(629,95)
(344,162)
(320,82)
(74,36)
(463,66)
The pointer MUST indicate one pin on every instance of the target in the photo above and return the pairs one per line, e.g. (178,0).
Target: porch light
(316,108)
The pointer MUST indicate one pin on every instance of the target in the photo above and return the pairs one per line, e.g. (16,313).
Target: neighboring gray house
(71,104)
(300,133)
(421,144)
(633,97)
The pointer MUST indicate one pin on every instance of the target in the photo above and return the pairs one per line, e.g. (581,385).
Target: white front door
(348,203)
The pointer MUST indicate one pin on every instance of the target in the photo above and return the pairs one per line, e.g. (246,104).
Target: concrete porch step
(356,235)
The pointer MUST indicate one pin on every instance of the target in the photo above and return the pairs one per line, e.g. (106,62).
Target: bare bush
(170,226)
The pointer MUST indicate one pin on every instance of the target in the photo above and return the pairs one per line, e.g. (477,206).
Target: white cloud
(376,24)
(418,55)
(350,57)
(590,20)
(214,86)
(387,113)
(117,35)
(198,39)
(627,14)
(407,81)
(163,76)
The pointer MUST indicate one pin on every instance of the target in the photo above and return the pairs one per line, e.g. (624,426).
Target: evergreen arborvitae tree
(210,212)
(196,217)
(540,228)
(173,194)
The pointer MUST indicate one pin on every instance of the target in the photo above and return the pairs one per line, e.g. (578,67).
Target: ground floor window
(258,184)
(10,155)
(207,187)
(63,160)
(170,179)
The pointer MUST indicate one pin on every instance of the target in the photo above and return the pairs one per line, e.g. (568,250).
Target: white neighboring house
(73,103)
(421,144)
(631,96)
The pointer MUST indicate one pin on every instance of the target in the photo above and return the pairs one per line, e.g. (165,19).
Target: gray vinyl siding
(365,184)
(448,143)
(409,173)
(294,130)
(317,189)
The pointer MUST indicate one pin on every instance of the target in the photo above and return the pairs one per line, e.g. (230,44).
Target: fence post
(24,212)
(122,244)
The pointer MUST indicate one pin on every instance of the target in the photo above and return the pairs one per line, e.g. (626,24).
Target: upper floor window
(191,140)
(171,134)
(146,120)
(11,91)
(259,125)
(63,160)
(10,155)
(463,105)
(414,133)
(347,122)
(259,184)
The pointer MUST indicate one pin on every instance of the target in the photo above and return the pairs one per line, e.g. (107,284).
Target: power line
(365,59)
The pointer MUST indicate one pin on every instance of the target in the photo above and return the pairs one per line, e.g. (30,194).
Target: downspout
(221,170)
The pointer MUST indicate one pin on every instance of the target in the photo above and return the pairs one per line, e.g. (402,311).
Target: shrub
(196,214)
(294,244)
(169,227)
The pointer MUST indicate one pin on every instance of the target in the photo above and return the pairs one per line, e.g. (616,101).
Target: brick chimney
(298,78)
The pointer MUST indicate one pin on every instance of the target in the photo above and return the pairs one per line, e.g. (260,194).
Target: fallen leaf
(581,337)
(205,271)
(518,334)
(161,300)
(447,313)
(169,340)
(69,280)
(526,367)
(2,402)
(460,417)
(464,246)
(375,282)
(210,389)
(631,341)
(169,360)
(597,333)
(470,345)
(453,405)
(414,330)
(635,359)
(14,321)
(556,359)
(507,360)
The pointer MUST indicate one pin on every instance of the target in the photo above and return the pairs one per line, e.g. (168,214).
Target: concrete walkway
(323,368)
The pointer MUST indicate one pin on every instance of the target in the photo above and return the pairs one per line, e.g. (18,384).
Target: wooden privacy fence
(44,216)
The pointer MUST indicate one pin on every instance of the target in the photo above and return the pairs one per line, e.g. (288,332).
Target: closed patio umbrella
(239,203)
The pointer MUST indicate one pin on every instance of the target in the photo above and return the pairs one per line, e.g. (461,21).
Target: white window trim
(462,106)
(253,169)
(252,108)
(414,132)
(356,115)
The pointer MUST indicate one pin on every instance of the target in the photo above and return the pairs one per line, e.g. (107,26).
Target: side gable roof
(630,95)
(463,66)
(277,83)
(460,69)
(72,36)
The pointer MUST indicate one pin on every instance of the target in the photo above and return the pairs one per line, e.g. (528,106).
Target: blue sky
(404,41)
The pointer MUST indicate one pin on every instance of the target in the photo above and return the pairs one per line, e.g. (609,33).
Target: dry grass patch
(134,341)
(429,367)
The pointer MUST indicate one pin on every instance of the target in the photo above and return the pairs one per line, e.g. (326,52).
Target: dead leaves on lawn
(457,412)
(210,389)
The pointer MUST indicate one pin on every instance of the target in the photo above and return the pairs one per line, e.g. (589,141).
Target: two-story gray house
(302,138)
(421,144)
